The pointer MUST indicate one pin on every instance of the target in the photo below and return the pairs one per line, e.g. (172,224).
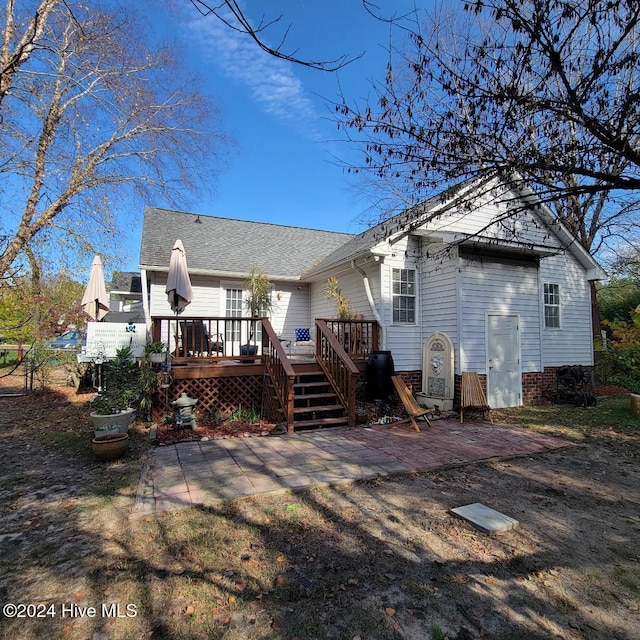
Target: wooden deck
(300,391)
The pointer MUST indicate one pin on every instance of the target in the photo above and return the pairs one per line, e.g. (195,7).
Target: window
(404,296)
(551,305)
(233,309)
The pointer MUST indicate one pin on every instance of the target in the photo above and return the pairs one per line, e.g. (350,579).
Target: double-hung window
(551,305)
(233,309)
(404,296)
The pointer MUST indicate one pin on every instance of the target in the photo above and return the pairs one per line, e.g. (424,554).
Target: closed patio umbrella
(178,290)
(95,300)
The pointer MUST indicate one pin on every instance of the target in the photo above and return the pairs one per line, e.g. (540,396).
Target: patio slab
(206,473)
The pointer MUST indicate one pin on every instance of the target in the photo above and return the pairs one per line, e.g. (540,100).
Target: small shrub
(242,414)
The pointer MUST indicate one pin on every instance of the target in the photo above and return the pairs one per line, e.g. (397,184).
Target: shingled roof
(126,282)
(361,245)
(216,245)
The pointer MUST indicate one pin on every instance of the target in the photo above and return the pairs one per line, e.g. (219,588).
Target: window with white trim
(404,296)
(551,305)
(233,309)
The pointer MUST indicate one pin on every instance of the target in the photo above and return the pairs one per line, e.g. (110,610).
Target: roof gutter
(240,275)
(372,304)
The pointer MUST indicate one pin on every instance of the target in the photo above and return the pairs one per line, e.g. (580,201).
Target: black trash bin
(378,375)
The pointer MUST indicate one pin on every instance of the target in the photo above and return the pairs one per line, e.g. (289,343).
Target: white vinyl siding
(352,287)
(497,288)
(205,297)
(573,342)
(290,310)
(486,219)
(403,340)
(439,290)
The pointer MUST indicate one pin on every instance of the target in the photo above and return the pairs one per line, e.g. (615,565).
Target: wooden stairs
(315,403)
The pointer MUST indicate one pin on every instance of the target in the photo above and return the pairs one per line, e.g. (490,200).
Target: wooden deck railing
(338,367)
(218,338)
(358,337)
(279,370)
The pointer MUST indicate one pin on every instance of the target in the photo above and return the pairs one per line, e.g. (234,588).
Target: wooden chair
(414,410)
(472,396)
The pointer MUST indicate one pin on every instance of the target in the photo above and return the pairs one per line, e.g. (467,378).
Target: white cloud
(271,82)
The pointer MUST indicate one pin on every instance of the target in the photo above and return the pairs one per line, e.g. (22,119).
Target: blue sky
(283,168)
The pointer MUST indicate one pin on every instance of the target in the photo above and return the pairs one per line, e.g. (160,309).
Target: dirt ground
(374,560)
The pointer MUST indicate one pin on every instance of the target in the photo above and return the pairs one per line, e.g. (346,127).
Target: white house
(489,266)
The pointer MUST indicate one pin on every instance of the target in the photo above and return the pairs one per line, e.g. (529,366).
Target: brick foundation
(413,380)
(537,386)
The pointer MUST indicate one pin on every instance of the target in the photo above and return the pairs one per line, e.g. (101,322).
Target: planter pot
(106,430)
(249,350)
(156,357)
(111,446)
(635,404)
(121,420)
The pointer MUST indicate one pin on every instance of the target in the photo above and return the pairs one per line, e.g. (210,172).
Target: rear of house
(492,270)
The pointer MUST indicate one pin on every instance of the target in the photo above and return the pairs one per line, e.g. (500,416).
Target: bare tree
(20,38)
(544,89)
(234,17)
(92,116)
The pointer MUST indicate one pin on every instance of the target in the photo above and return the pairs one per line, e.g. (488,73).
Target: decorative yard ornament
(437,372)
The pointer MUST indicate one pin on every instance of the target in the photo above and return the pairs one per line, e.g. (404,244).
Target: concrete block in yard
(488,520)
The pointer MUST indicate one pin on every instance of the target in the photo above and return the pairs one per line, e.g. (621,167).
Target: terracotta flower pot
(110,446)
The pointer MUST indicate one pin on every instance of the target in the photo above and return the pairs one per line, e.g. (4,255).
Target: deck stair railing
(339,368)
(279,370)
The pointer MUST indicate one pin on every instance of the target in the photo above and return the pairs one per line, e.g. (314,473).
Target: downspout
(372,304)
(145,299)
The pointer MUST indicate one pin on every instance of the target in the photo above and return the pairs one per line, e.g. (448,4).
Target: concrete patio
(205,473)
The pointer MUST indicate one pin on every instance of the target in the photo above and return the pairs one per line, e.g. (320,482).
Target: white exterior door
(504,381)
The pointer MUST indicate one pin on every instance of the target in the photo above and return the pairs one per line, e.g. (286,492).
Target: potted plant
(150,377)
(259,303)
(110,446)
(155,351)
(114,406)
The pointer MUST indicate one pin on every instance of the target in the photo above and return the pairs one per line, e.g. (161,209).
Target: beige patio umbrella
(95,300)
(178,290)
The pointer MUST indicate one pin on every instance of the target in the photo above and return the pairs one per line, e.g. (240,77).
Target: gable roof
(225,246)
(125,282)
(427,215)
(362,244)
